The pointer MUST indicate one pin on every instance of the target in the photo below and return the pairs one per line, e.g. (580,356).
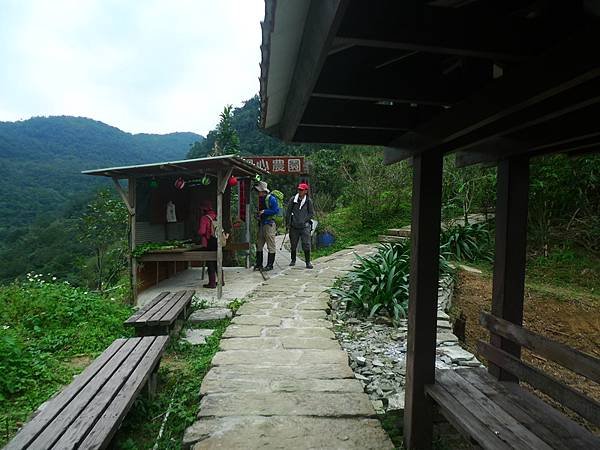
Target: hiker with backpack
(208,239)
(298,220)
(268,210)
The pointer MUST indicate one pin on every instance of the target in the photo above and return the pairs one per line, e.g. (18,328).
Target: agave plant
(468,242)
(379,283)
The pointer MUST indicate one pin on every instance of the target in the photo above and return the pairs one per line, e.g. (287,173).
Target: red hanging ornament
(232,181)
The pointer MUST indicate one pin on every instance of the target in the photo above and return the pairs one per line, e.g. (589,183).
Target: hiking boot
(259,261)
(307,259)
(270,261)
(293,262)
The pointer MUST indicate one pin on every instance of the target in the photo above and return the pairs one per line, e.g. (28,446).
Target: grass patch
(348,230)
(49,331)
(182,369)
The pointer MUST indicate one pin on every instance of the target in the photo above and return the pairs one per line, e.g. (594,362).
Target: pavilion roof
(210,166)
(487,79)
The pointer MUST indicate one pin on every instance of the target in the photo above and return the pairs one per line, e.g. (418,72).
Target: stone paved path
(280,379)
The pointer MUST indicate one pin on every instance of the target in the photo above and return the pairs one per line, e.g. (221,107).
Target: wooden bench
(159,316)
(503,415)
(87,413)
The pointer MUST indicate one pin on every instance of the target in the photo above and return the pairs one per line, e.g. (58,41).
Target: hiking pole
(283,240)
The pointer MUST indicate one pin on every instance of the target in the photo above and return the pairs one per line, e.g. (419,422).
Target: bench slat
(174,312)
(104,397)
(568,357)
(54,406)
(159,316)
(68,414)
(462,419)
(502,424)
(146,307)
(556,429)
(164,303)
(586,407)
(108,423)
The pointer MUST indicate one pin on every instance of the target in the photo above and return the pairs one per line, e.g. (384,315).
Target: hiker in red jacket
(207,240)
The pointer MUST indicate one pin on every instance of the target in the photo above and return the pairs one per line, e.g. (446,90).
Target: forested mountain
(41,160)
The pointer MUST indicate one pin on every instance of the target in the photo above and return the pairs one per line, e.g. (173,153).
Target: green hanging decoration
(153,184)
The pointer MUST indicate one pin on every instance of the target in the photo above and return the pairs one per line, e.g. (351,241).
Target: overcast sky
(153,66)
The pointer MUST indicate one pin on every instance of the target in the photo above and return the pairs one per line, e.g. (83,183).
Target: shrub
(380,283)
(45,322)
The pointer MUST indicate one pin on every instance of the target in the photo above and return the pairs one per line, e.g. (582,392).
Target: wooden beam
(509,260)
(423,298)
(394,155)
(124,195)
(438,44)
(559,114)
(586,407)
(338,135)
(568,65)
(223,183)
(494,30)
(220,182)
(365,114)
(579,362)
(322,21)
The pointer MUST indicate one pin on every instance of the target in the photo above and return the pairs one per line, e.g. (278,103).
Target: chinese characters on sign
(293,165)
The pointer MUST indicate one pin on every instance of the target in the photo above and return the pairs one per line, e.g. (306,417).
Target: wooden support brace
(124,196)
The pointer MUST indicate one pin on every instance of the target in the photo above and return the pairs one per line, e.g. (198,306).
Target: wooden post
(423,297)
(248,192)
(132,261)
(219,234)
(509,261)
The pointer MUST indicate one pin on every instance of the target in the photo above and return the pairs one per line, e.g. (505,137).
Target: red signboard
(292,165)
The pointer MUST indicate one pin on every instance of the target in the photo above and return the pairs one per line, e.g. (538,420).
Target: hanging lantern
(232,181)
(153,184)
(179,183)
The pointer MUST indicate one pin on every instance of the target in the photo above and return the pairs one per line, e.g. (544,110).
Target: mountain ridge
(41,160)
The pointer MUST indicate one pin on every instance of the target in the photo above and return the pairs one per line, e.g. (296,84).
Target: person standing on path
(208,240)
(268,208)
(298,217)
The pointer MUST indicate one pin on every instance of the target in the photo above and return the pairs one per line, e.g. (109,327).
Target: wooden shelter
(150,188)
(495,82)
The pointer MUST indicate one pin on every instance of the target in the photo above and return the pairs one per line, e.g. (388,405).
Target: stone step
(204,315)
(390,239)
(403,232)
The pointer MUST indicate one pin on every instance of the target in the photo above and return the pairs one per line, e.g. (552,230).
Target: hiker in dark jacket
(298,217)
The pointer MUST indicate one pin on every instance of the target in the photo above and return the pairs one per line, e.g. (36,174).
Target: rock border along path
(280,379)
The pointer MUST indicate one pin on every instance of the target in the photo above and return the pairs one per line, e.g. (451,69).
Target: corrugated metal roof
(240,167)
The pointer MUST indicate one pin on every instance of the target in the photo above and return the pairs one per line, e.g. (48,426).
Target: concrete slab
(287,433)
(322,404)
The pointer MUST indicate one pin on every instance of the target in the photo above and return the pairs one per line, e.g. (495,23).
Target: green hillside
(41,160)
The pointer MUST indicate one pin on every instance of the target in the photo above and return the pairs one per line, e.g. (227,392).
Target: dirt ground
(574,322)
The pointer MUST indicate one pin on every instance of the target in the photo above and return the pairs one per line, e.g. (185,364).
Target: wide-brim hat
(261,186)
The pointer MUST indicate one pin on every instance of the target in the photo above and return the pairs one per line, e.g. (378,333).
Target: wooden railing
(572,359)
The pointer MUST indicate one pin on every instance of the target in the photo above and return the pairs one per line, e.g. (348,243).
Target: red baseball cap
(303,187)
